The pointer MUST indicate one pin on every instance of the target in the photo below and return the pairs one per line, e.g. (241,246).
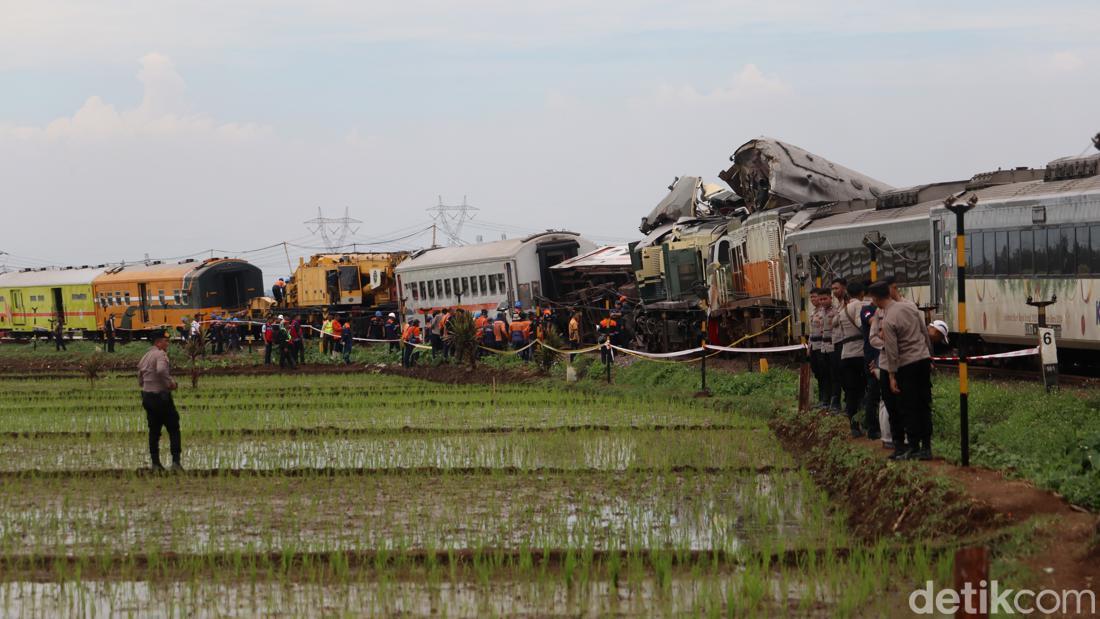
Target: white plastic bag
(884,422)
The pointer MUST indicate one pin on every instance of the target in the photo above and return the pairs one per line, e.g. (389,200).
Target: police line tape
(1023,352)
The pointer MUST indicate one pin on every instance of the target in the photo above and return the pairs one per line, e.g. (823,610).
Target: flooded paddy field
(353,495)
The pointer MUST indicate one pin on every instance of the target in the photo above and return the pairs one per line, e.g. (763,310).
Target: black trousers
(836,378)
(267,353)
(110,342)
(870,404)
(59,342)
(300,350)
(160,411)
(819,365)
(893,411)
(915,382)
(286,355)
(854,384)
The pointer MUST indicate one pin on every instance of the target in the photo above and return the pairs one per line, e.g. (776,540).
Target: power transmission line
(452,217)
(333,230)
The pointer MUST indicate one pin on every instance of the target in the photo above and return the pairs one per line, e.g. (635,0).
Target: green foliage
(463,337)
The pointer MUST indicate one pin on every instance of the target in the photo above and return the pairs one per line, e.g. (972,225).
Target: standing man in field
(109,332)
(155,381)
(906,351)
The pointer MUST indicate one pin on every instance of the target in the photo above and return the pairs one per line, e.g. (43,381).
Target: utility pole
(452,217)
(960,211)
(333,230)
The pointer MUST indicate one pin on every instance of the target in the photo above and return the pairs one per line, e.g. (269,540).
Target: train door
(58,305)
(231,289)
(550,254)
(18,312)
(143,302)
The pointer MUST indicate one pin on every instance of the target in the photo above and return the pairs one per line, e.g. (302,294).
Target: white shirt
(195,327)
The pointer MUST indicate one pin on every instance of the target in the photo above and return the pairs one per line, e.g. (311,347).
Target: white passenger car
(486,275)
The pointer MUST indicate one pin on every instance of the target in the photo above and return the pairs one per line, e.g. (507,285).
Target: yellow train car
(356,280)
(36,299)
(147,296)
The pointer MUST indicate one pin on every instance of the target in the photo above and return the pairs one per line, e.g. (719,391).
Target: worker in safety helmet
(392,330)
(410,338)
(607,331)
(376,326)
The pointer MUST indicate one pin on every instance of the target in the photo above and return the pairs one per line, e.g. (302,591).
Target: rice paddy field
(370,494)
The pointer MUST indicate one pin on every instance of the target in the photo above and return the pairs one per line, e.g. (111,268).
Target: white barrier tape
(1024,352)
(771,349)
(655,355)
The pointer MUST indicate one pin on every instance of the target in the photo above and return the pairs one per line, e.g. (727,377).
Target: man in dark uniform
(109,332)
(155,380)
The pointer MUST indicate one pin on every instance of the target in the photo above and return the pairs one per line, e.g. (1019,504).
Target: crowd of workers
(874,347)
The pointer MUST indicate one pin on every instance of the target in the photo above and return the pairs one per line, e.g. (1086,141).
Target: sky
(171,129)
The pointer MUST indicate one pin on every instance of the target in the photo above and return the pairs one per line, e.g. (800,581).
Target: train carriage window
(447,286)
(1082,250)
(989,251)
(1094,263)
(493,284)
(413,291)
(1040,250)
(1013,250)
(485,290)
(1027,262)
(473,285)
(465,286)
(1065,252)
(160,296)
(454,281)
(438,287)
(176,297)
(126,296)
(431,289)
(185,297)
(976,260)
(423,291)
(1000,241)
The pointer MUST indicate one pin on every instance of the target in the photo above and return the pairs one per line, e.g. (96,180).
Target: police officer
(109,332)
(157,385)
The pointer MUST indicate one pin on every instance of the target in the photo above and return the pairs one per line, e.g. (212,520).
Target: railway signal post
(960,210)
(1048,351)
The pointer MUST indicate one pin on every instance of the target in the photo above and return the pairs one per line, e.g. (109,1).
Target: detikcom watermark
(991,598)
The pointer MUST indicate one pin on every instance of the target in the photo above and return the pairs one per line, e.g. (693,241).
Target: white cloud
(1066,61)
(750,84)
(162,113)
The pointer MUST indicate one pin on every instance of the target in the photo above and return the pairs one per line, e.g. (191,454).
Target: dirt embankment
(936,500)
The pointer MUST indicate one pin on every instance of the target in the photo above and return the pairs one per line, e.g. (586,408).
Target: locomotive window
(1027,263)
(1094,264)
(1082,252)
(724,253)
(485,290)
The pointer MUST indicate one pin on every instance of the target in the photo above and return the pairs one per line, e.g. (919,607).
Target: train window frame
(454,286)
(482,280)
(465,285)
(473,286)
(431,289)
(1040,257)
(423,291)
(493,284)
(447,286)
(1082,252)
(439,287)
(1027,251)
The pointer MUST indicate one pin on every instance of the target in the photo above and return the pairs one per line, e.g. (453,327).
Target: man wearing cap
(937,334)
(155,381)
(906,351)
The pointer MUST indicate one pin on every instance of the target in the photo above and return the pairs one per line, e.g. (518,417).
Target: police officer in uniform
(157,385)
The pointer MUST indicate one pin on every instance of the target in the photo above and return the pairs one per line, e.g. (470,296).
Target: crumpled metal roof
(770,173)
(682,198)
(606,256)
(50,277)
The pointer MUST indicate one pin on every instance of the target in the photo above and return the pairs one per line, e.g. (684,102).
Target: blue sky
(227,124)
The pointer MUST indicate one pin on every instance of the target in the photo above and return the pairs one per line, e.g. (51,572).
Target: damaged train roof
(769,173)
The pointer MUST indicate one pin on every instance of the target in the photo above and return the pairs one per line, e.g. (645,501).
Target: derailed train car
(714,258)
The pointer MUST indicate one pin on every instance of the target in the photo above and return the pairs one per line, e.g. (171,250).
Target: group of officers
(870,345)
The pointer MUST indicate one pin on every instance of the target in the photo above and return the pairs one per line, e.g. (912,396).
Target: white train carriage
(836,241)
(486,275)
(1039,238)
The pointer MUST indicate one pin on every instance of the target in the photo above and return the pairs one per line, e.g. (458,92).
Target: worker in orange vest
(500,331)
(521,334)
(608,331)
(410,337)
(337,332)
(481,320)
